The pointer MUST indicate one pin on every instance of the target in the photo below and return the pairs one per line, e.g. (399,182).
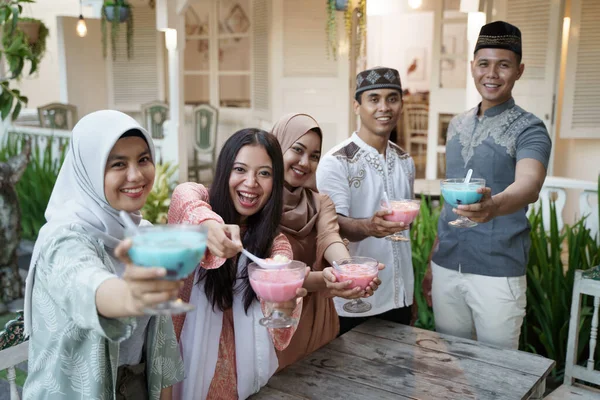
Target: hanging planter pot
(341,5)
(110,12)
(31,29)
(114,14)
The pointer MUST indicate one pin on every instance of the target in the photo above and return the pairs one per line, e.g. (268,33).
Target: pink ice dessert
(276,285)
(402,211)
(361,275)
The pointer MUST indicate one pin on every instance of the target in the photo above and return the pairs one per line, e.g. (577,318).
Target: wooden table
(383,360)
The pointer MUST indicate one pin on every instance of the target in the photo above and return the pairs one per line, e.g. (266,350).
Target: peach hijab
(300,211)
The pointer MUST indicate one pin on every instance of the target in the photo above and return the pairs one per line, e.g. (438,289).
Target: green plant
(550,288)
(361,36)
(331,28)
(38,48)
(17,51)
(114,27)
(157,205)
(35,187)
(423,233)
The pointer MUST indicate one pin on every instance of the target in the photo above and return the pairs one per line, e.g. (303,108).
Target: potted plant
(19,45)
(341,5)
(116,12)
(31,32)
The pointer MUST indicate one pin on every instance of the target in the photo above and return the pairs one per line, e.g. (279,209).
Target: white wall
(393,40)
(44,87)
(85,66)
(303,78)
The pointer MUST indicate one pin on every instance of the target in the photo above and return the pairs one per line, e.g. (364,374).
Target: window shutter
(533,19)
(136,81)
(581,105)
(260,49)
(305,40)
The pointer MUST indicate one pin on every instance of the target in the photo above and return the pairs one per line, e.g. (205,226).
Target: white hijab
(255,357)
(78,195)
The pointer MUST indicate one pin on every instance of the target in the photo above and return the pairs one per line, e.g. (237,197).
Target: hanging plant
(117,12)
(348,6)
(31,32)
(331,30)
(361,34)
(18,47)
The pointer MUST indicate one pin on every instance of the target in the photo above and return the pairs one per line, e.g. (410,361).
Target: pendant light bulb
(81,27)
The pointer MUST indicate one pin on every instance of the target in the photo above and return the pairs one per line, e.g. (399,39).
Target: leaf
(4,15)
(15,14)
(34,66)
(16,111)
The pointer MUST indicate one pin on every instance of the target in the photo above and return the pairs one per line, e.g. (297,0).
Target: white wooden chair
(206,119)
(58,116)
(416,122)
(13,350)
(154,115)
(570,389)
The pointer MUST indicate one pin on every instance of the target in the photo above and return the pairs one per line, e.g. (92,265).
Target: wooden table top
(383,360)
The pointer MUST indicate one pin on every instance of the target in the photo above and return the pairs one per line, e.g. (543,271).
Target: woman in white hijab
(84,301)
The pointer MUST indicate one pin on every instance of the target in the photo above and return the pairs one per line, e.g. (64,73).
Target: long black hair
(262,227)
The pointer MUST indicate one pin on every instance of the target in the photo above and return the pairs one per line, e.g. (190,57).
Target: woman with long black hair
(243,208)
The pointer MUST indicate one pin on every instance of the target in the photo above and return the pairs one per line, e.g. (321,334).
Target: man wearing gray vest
(476,277)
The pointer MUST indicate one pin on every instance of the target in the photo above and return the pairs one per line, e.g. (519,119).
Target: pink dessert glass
(361,271)
(276,286)
(403,210)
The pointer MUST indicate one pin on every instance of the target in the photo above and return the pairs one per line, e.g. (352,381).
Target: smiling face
(495,72)
(379,111)
(129,174)
(300,161)
(251,180)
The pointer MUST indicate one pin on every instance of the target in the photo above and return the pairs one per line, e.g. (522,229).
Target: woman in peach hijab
(310,223)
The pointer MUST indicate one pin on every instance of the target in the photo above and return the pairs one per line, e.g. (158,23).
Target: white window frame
(214,73)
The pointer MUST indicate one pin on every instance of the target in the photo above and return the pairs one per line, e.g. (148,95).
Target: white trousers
(486,307)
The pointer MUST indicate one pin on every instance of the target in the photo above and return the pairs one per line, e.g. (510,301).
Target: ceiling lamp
(81,26)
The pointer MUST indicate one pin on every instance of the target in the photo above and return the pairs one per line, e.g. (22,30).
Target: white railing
(556,187)
(166,149)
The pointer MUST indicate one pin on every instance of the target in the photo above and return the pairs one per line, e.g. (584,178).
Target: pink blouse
(189,205)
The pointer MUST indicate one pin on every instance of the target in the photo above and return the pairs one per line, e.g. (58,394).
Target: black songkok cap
(499,35)
(378,78)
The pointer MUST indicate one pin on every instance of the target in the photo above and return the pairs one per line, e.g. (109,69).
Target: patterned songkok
(377,78)
(499,35)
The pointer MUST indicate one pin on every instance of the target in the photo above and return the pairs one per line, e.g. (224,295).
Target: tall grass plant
(423,235)
(35,187)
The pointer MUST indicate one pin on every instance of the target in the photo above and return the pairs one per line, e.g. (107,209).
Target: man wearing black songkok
(354,174)
(477,273)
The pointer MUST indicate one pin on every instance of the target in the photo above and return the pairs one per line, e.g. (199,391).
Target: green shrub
(423,233)
(550,288)
(157,205)
(35,187)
